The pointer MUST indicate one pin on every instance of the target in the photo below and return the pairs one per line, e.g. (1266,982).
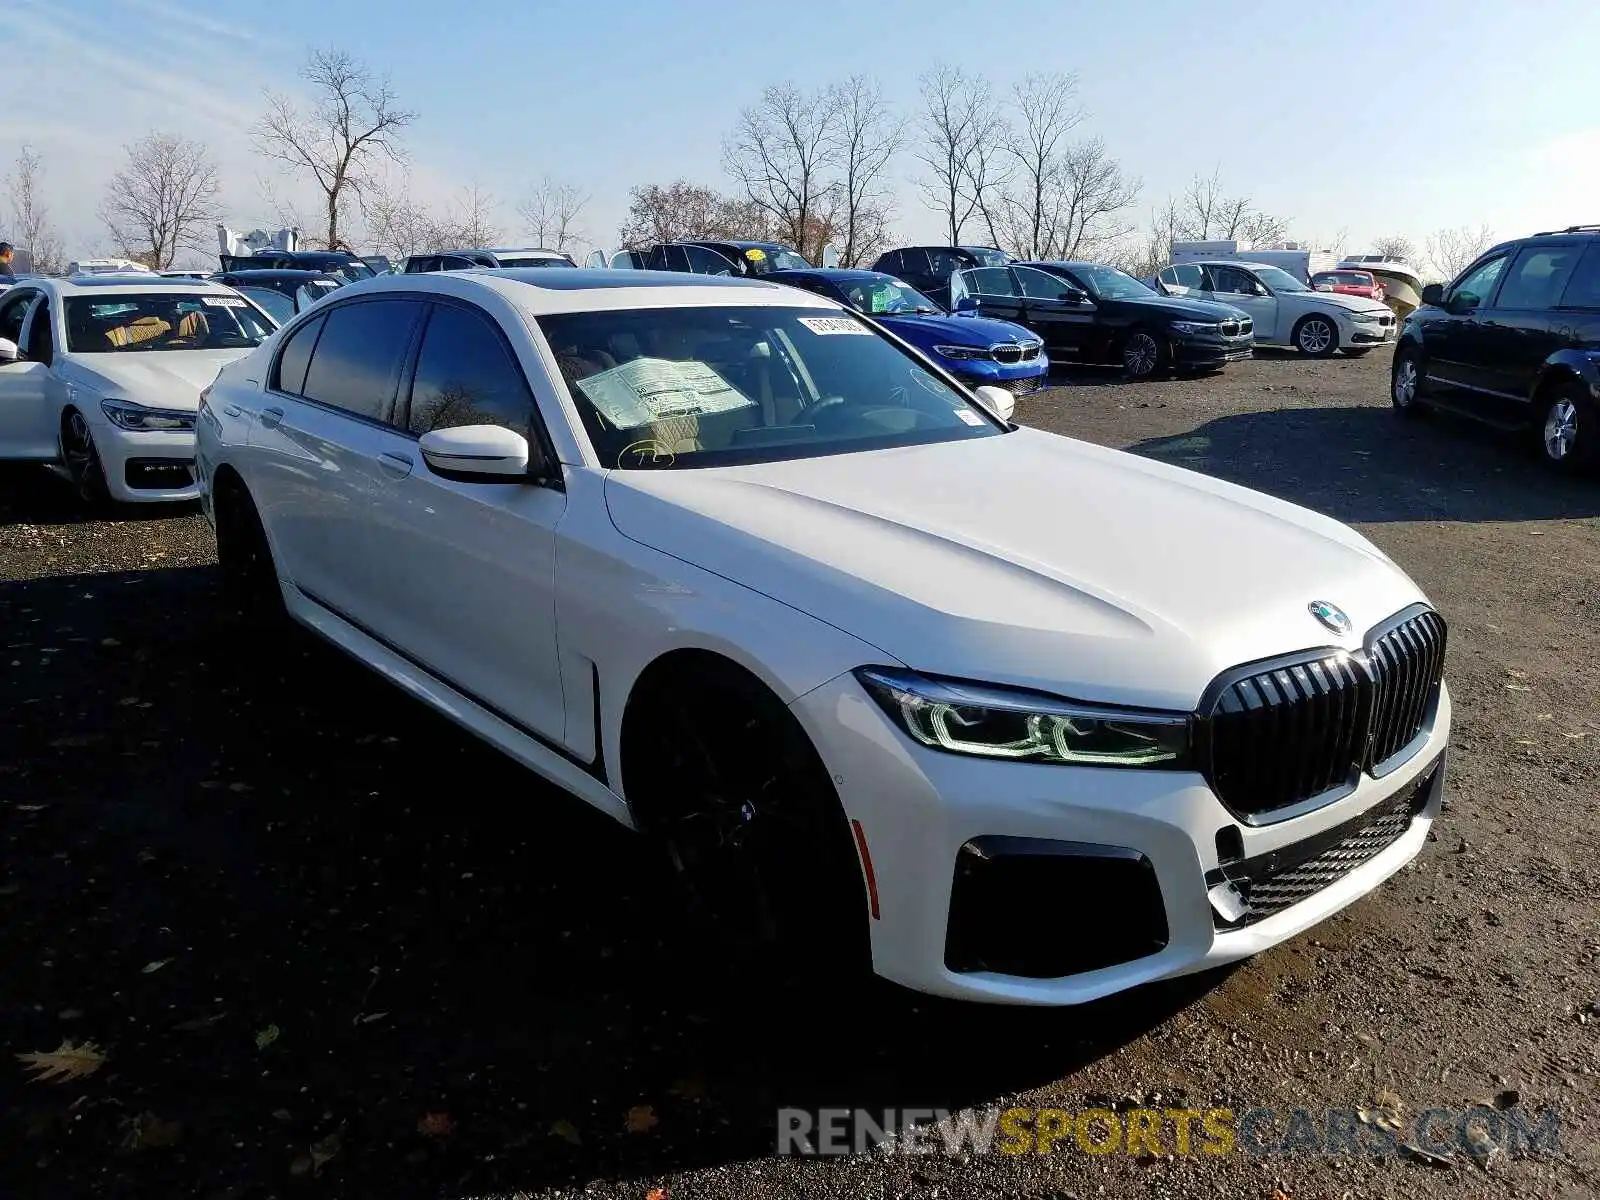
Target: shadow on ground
(291,904)
(31,494)
(1367,464)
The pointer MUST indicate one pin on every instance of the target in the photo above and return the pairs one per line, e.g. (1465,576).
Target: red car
(1348,283)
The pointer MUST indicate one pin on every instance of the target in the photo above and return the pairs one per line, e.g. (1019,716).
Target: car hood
(1340,300)
(1026,559)
(1181,308)
(935,328)
(159,378)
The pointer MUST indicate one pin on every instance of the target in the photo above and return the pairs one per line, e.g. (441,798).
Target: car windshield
(170,321)
(276,305)
(1108,283)
(1345,278)
(762,259)
(542,261)
(885,297)
(702,387)
(1279,280)
(987,257)
(351,271)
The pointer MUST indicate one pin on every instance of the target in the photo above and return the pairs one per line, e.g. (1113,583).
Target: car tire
(1142,355)
(1569,428)
(82,460)
(723,777)
(1405,384)
(1316,336)
(249,576)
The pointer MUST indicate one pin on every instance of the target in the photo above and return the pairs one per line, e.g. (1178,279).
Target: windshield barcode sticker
(829,325)
(224,302)
(967,415)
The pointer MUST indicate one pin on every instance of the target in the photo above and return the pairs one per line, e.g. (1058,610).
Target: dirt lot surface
(313,972)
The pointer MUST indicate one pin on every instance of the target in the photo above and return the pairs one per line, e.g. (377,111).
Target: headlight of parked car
(142,419)
(1194,327)
(961,351)
(1022,726)
(1367,316)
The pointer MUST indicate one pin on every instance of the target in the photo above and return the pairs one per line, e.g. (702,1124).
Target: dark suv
(1513,341)
(928,268)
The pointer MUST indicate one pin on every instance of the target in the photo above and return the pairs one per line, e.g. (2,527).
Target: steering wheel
(808,414)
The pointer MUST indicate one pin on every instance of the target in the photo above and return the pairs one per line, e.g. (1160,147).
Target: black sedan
(1090,313)
(280,294)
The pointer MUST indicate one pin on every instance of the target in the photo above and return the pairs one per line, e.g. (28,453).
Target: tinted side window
(890,263)
(1583,288)
(465,376)
(709,262)
(12,310)
(41,342)
(1537,277)
(945,263)
(915,262)
(1232,280)
(1041,285)
(358,358)
(296,357)
(1478,286)
(990,281)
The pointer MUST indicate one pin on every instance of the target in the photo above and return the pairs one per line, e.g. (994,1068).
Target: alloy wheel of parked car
(1141,354)
(1405,378)
(83,460)
(1316,337)
(725,777)
(1566,435)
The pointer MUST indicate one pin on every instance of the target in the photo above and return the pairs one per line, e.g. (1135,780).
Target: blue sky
(1351,116)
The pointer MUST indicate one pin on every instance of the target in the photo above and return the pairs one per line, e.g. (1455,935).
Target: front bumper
(1018,378)
(1210,352)
(143,468)
(918,808)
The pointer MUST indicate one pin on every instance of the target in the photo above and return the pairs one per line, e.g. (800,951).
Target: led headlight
(140,419)
(961,352)
(1006,723)
(1194,327)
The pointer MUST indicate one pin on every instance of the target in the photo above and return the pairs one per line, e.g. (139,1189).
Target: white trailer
(1295,259)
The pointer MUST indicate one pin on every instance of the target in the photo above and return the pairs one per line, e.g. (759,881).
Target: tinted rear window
(358,358)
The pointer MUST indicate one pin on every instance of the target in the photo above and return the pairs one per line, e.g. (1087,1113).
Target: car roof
(838,274)
(1231,262)
(499,250)
(100,285)
(538,291)
(264,273)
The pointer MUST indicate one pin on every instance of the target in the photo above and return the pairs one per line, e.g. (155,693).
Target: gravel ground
(311,973)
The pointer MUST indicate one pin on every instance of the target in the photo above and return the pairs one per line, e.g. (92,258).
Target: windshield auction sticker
(643,391)
(830,325)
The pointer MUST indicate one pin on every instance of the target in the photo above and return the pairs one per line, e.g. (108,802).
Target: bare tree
(962,134)
(1206,212)
(1395,245)
(1451,251)
(779,152)
(865,139)
(162,200)
(354,121)
(31,227)
(550,213)
(1047,110)
(665,213)
(400,226)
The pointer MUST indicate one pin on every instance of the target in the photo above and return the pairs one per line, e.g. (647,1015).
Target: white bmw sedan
(100,377)
(896,683)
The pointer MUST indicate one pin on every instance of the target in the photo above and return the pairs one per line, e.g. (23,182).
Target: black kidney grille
(1407,663)
(1274,738)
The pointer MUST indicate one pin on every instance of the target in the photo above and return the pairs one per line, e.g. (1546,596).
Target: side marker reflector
(866,866)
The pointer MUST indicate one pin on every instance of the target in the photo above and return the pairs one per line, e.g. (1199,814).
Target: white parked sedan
(100,377)
(1004,715)
(1286,311)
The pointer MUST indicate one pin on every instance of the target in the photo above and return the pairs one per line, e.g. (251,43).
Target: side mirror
(1074,295)
(967,305)
(998,401)
(1433,294)
(477,454)
(8,351)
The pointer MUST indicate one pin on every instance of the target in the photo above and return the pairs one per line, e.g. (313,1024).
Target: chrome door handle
(397,465)
(271,418)
(231,409)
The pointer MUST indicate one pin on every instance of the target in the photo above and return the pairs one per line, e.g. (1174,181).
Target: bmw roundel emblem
(1330,615)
